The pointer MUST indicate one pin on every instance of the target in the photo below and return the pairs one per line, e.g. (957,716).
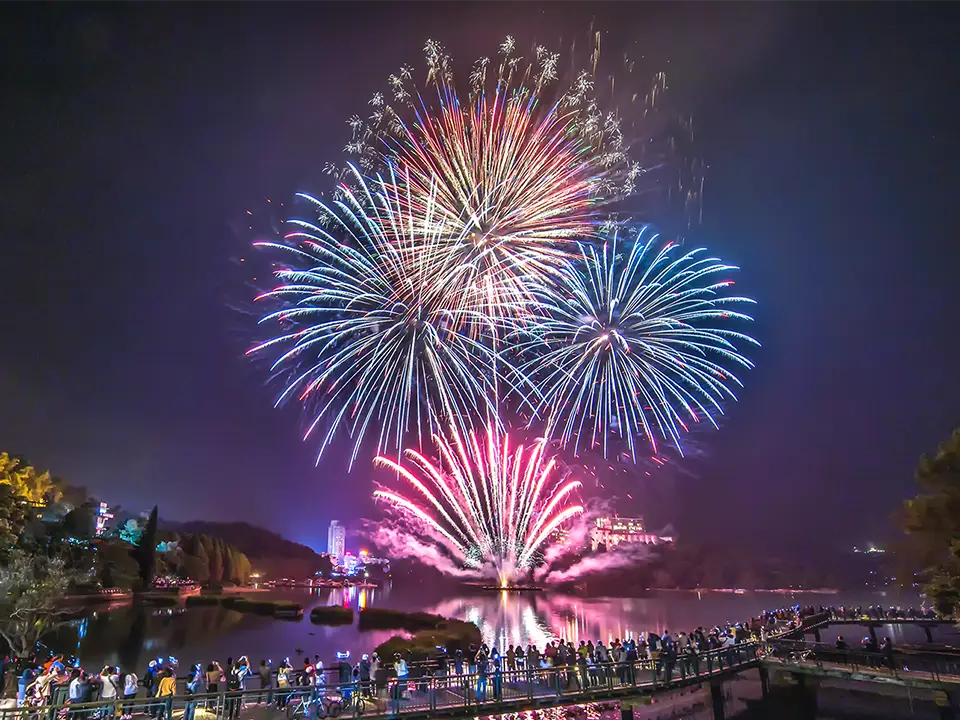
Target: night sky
(133,135)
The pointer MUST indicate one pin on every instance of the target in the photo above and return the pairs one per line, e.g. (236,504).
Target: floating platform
(512,588)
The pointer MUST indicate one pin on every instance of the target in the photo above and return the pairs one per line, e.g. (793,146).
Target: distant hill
(268,551)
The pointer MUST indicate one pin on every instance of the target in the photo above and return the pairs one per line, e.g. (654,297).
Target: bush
(331,615)
(451,634)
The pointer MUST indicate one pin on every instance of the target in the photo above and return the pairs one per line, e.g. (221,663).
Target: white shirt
(108,686)
(76,689)
(130,684)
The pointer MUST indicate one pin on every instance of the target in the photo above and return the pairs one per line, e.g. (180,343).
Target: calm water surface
(132,635)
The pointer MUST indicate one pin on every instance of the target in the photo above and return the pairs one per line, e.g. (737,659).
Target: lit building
(611,531)
(336,541)
(350,562)
(103,517)
(367,559)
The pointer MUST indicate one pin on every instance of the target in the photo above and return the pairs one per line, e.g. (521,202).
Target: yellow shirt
(167,686)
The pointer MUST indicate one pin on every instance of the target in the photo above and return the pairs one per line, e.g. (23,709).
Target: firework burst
(366,339)
(632,344)
(508,171)
(488,504)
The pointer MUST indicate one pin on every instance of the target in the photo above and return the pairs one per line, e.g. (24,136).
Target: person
(109,684)
(886,647)
(481,663)
(234,689)
(378,672)
(76,690)
(212,677)
(497,665)
(130,684)
(195,685)
(364,674)
(150,677)
(283,683)
(26,679)
(400,668)
(166,689)
(344,673)
(266,683)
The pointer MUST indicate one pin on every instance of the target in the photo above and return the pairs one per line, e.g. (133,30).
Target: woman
(109,684)
(213,677)
(130,685)
(283,684)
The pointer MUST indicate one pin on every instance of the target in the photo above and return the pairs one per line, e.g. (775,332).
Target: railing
(427,694)
(901,665)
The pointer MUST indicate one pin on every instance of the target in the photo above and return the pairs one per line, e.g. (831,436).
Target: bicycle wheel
(360,707)
(294,708)
(334,708)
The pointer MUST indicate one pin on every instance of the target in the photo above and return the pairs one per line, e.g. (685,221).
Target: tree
(31,589)
(80,523)
(25,481)
(131,531)
(325,565)
(146,552)
(12,518)
(931,521)
(196,564)
(228,562)
(216,563)
(241,569)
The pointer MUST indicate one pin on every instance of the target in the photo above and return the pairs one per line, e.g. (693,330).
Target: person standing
(130,686)
(195,685)
(109,684)
(166,690)
(234,689)
(266,683)
(76,691)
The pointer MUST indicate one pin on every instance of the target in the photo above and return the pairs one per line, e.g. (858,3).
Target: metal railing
(897,664)
(437,691)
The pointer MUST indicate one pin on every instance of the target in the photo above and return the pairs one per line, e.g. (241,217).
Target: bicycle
(325,707)
(800,656)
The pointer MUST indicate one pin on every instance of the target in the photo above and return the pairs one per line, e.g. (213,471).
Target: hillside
(269,553)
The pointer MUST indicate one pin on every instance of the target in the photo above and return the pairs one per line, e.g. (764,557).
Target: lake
(134,634)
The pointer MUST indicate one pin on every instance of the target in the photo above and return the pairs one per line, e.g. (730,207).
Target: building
(336,541)
(611,531)
(104,516)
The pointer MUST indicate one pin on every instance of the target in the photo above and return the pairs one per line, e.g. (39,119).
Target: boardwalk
(450,696)
(929,670)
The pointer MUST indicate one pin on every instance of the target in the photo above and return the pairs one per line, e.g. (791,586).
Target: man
(76,690)
(266,682)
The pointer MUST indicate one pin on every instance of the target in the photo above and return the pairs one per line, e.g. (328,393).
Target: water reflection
(510,618)
(130,635)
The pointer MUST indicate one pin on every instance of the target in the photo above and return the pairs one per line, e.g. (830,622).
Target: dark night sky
(133,134)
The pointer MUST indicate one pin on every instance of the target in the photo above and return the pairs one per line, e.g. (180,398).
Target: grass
(331,615)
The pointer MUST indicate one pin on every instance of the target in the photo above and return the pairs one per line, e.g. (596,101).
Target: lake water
(132,635)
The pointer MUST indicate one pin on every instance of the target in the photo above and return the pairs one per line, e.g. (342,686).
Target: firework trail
(366,340)
(487,504)
(510,169)
(632,344)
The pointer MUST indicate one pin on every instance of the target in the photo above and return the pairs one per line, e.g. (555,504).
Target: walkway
(929,670)
(451,696)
